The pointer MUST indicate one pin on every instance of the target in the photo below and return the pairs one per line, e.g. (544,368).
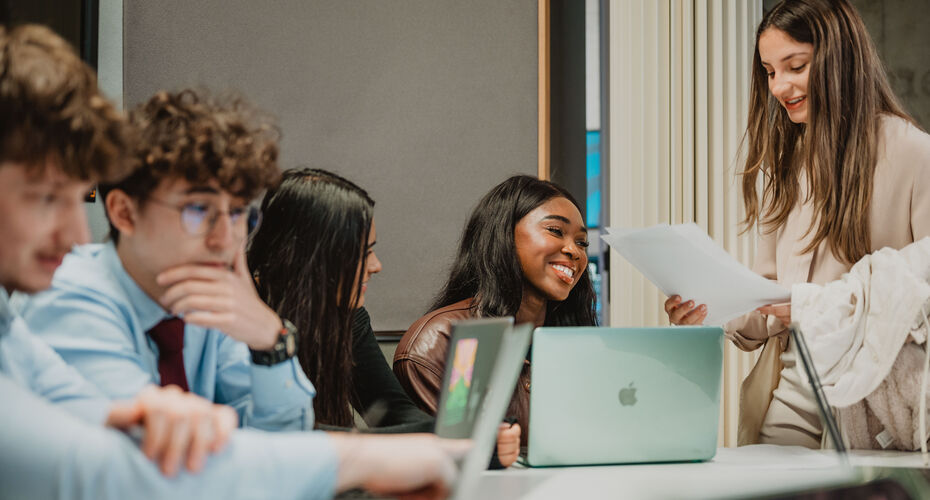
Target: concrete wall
(899,29)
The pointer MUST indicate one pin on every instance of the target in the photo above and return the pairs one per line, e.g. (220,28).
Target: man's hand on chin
(222,299)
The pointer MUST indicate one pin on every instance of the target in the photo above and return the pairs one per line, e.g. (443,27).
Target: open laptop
(474,346)
(485,358)
(489,400)
(624,395)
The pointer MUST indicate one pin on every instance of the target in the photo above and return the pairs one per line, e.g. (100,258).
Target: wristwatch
(284,349)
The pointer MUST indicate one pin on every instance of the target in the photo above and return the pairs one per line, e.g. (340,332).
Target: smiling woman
(787,64)
(523,254)
(843,172)
(319,283)
(550,242)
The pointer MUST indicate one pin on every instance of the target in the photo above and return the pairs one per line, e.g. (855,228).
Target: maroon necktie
(169,337)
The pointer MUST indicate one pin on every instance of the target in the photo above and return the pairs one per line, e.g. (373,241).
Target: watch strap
(284,349)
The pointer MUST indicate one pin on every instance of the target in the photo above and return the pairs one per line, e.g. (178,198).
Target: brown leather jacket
(420,359)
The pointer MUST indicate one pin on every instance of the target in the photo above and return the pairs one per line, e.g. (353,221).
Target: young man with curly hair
(169,299)
(58,136)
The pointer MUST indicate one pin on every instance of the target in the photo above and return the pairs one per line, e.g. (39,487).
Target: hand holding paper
(683,260)
(685,312)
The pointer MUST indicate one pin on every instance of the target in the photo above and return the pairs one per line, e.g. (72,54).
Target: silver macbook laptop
(485,359)
(624,395)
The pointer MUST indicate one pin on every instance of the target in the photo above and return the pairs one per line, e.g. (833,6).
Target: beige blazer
(900,214)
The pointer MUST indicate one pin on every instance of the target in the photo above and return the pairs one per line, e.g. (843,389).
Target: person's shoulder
(903,139)
(361,326)
(441,319)
(436,323)
(87,266)
(84,274)
(462,309)
(360,316)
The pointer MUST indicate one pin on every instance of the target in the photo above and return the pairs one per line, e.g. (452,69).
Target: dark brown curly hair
(198,137)
(51,110)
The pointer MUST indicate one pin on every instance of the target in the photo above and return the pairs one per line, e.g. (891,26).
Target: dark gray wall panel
(426,103)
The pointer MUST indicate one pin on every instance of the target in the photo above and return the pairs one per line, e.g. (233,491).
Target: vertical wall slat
(676,121)
(662,158)
(650,98)
(543,90)
(688,125)
(716,113)
(637,157)
(701,120)
(732,31)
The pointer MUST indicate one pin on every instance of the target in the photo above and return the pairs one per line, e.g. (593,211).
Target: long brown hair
(310,244)
(847,93)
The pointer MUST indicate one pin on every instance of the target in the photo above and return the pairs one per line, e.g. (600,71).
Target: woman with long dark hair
(306,255)
(312,258)
(523,254)
(845,172)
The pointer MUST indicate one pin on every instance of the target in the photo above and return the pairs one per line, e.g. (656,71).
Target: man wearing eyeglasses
(169,299)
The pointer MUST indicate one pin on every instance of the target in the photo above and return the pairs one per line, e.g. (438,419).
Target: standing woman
(523,254)
(312,257)
(845,172)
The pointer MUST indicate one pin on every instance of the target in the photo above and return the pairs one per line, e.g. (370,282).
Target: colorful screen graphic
(463,367)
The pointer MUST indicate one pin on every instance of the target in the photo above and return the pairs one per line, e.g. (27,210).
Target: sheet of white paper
(683,260)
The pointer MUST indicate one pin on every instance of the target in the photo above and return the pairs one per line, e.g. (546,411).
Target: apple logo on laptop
(628,395)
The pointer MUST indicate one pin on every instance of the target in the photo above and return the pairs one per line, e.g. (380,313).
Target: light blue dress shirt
(96,317)
(34,365)
(51,451)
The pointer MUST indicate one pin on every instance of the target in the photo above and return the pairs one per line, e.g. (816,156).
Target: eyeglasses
(198,219)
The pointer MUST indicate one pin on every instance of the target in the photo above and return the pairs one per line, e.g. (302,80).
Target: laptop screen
(473,350)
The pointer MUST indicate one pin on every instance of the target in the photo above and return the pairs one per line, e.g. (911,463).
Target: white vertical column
(110,50)
(110,81)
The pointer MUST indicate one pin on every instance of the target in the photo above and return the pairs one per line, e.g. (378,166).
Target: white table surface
(732,473)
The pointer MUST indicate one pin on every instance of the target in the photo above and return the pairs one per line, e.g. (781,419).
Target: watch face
(290,344)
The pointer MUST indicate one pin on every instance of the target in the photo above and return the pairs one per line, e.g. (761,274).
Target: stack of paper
(683,260)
